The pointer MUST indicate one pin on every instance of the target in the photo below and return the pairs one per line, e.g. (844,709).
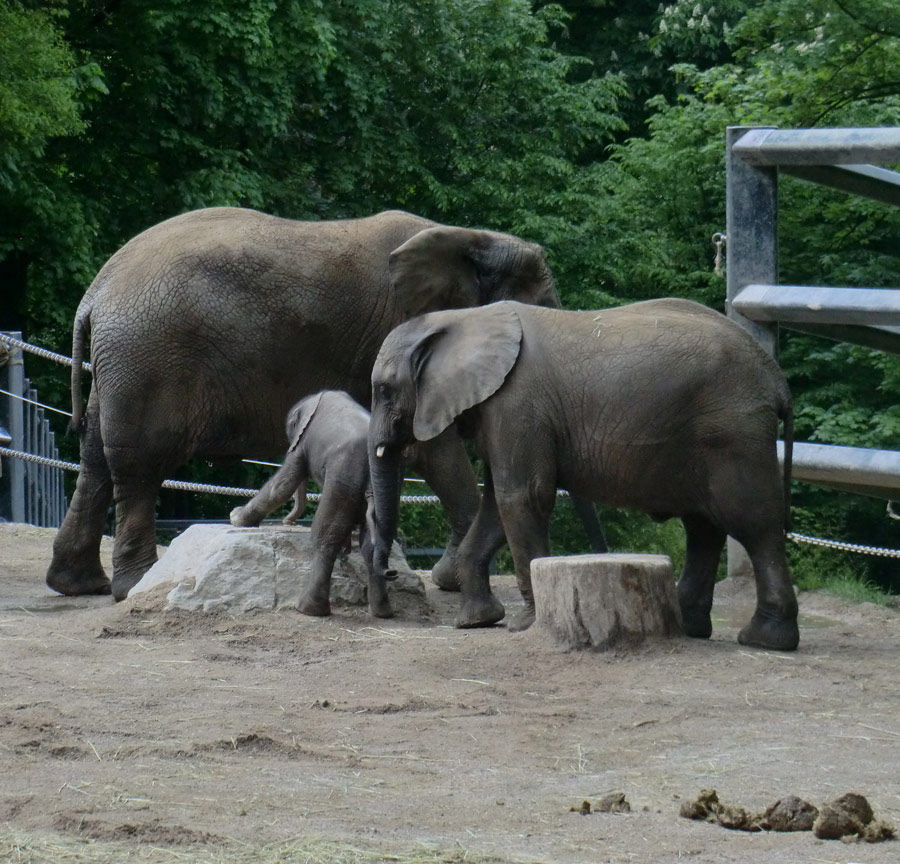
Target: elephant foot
(74,583)
(379,602)
(696,622)
(312,606)
(381,609)
(480,613)
(121,585)
(241,519)
(522,621)
(765,631)
(443,574)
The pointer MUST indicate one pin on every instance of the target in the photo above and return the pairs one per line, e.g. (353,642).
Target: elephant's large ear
(452,268)
(434,270)
(299,417)
(462,363)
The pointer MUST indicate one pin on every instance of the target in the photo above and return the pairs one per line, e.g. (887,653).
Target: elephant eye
(384,391)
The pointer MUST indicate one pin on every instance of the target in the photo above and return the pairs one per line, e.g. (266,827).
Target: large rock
(218,567)
(601,601)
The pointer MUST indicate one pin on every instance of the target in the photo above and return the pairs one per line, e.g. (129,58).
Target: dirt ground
(204,738)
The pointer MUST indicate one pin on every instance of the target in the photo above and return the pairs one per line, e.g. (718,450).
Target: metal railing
(863,316)
(29,492)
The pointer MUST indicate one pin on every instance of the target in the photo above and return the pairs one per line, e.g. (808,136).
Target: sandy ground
(203,737)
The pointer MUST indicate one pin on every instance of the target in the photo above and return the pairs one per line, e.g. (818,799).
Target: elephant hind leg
(774,623)
(704,543)
(75,568)
(134,552)
(750,506)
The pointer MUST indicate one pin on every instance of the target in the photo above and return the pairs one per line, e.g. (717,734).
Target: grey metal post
(12,480)
(28,413)
(45,469)
(751,228)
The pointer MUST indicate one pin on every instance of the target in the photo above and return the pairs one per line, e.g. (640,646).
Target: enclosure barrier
(31,492)
(863,316)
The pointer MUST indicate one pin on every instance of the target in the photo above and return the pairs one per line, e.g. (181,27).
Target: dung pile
(848,818)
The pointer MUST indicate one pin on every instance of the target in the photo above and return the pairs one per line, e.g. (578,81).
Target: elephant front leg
(75,568)
(443,463)
(480,608)
(379,602)
(526,519)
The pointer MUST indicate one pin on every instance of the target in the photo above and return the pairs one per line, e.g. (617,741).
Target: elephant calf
(328,434)
(664,405)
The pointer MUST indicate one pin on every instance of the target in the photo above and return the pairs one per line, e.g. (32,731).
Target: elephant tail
(786,415)
(80,330)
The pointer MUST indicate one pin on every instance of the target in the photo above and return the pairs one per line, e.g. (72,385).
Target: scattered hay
(28,848)
(706,806)
(847,818)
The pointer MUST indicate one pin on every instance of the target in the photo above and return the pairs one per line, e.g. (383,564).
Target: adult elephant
(207,328)
(665,406)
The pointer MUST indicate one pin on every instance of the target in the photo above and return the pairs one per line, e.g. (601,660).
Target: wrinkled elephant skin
(207,328)
(665,406)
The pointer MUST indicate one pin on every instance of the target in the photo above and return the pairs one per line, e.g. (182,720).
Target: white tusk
(379,450)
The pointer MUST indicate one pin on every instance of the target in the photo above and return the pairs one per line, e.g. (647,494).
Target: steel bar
(807,304)
(751,220)
(852,469)
(850,146)
(867,180)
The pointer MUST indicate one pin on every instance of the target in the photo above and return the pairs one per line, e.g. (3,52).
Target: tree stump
(602,601)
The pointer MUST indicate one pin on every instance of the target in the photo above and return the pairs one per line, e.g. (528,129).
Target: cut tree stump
(602,601)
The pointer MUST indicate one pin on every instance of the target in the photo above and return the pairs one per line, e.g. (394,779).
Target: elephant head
(451,268)
(429,372)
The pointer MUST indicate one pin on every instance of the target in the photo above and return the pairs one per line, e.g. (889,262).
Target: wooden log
(603,601)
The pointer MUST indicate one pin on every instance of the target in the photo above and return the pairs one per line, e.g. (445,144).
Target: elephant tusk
(379,450)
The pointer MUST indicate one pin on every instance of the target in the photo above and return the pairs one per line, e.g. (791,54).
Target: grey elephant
(328,434)
(664,406)
(207,328)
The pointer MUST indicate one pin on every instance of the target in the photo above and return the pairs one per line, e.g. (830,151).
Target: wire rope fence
(39,498)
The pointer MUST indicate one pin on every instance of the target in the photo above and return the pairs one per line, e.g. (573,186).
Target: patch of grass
(834,571)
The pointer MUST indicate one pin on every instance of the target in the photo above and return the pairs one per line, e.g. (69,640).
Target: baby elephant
(328,434)
(665,406)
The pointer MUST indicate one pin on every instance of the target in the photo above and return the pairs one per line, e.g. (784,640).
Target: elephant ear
(461,363)
(434,270)
(453,268)
(299,417)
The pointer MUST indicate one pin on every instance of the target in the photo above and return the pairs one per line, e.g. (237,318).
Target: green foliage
(595,128)
(37,89)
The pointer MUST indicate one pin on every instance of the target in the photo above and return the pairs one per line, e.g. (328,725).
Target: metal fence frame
(29,492)
(866,316)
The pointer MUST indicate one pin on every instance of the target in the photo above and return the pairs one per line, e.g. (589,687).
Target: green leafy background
(594,128)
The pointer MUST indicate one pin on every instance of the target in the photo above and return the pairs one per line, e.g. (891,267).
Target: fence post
(12,471)
(751,230)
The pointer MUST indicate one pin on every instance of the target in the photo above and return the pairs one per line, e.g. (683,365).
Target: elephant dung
(603,601)
(221,568)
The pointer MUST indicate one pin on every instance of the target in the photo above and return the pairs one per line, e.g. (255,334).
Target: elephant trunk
(385,466)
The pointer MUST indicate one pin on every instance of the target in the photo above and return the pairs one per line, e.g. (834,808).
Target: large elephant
(207,328)
(665,406)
